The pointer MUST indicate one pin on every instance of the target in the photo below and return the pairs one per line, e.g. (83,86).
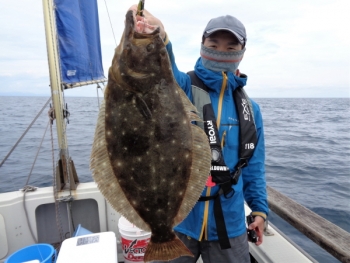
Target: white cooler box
(98,247)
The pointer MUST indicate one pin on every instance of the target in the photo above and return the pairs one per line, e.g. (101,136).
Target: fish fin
(201,162)
(200,170)
(166,251)
(104,177)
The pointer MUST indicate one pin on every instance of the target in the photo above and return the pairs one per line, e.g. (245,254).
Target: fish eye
(150,47)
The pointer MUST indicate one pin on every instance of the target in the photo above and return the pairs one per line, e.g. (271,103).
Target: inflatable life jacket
(220,173)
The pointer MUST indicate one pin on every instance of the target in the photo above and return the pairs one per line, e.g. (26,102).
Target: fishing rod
(140,7)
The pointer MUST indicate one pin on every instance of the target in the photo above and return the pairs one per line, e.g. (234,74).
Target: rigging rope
(30,125)
(110,22)
(37,153)
(28,188)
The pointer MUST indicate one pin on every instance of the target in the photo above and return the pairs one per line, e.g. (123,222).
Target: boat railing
(327,235)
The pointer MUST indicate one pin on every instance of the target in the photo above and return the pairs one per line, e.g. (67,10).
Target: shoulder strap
(247,129)
(196,81)
(248,136)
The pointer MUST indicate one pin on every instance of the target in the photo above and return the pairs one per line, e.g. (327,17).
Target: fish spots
(149,138)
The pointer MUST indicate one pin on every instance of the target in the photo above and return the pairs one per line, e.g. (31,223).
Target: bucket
(43,253)
(134,241)
(80,231)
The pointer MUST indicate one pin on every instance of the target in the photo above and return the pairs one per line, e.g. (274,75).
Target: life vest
(220,173)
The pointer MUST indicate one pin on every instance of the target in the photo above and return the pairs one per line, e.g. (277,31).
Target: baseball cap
(228,23)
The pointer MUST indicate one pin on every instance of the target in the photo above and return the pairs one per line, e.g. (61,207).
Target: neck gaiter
(221,60)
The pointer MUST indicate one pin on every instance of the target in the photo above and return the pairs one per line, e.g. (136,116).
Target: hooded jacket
(251,187)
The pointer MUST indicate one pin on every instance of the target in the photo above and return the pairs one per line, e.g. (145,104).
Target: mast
(66,176)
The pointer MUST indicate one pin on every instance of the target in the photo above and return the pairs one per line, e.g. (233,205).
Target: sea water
(307,152)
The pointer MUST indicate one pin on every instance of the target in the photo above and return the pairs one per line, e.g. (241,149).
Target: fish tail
(166,251)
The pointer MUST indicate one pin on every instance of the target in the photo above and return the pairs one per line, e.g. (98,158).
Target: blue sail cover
(79,40)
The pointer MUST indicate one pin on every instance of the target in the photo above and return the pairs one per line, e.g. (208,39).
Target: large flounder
(149,161)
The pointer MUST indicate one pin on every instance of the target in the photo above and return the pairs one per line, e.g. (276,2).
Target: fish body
(149,161)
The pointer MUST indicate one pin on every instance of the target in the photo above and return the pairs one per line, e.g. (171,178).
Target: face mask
(220,60)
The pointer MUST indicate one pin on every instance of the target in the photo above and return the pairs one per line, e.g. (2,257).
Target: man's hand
(258,225)
(148,21)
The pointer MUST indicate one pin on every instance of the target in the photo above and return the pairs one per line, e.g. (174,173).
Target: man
(203,232)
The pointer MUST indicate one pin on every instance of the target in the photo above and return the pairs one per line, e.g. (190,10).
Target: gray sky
(295,48)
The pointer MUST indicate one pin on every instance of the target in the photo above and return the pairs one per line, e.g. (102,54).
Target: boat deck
(92,211)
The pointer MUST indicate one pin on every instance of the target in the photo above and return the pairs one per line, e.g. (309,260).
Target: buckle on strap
(226,189)
(235,175)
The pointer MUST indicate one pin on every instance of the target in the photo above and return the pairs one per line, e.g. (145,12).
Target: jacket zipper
(204,230)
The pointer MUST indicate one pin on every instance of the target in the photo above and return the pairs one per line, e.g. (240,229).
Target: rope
(37,153)
(110,22)
(26,189)
(30,125)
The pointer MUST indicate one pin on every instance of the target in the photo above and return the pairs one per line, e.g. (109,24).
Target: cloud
(295,48)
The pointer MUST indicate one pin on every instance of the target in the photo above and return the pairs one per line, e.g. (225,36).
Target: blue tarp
(79,40)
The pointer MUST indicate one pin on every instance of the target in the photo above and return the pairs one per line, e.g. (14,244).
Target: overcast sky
(295,48)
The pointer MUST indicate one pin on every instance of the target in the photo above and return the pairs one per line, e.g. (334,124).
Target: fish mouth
(139,25)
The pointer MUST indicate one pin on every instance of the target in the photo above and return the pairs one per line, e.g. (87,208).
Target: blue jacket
(251,187)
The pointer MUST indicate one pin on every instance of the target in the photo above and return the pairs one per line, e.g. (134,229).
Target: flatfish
(148,159)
